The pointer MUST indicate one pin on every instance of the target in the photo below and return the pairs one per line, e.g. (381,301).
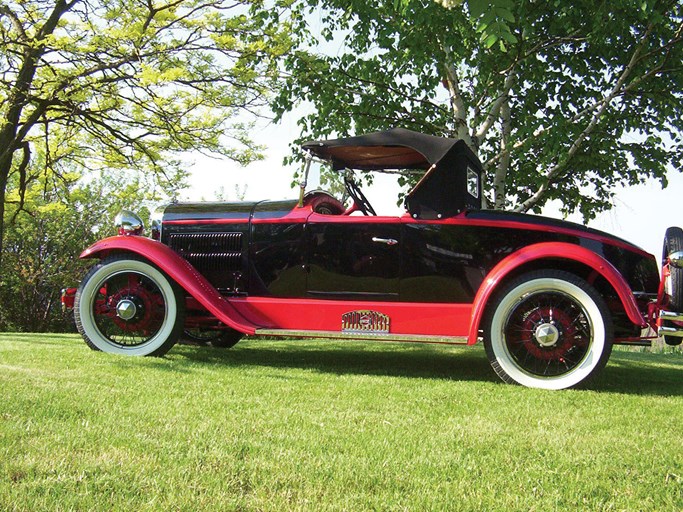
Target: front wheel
(548,329)
(124,305)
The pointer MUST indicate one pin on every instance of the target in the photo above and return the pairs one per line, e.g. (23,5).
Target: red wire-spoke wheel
(127,306)
(548,329)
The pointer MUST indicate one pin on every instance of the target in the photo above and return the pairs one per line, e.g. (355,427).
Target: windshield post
(304,182)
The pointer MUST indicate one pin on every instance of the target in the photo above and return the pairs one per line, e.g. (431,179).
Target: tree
(574,101)
(128,84)
(43,241)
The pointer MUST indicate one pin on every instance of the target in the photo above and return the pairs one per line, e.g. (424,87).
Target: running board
(410,338)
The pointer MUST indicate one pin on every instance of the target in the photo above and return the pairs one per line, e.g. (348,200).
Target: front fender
(554,250)
(179,270)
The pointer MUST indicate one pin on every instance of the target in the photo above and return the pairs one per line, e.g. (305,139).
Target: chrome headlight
(128,223)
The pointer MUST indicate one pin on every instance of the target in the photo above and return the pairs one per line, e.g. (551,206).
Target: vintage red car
(548,298)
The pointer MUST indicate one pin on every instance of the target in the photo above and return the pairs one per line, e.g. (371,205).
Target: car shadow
(404,361)
(626,373)
(645,374)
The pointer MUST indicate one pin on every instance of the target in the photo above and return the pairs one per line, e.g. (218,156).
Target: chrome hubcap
(547,335)
(126,309)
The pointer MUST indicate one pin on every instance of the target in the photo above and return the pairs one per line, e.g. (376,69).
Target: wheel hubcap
(126,309)
(547,335)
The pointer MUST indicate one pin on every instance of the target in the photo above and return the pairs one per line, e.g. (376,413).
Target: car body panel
(556,251)
(446,320)
(434,280)
(180,270)
(432,271)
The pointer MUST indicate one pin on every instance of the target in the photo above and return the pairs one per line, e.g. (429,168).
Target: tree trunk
(3,186)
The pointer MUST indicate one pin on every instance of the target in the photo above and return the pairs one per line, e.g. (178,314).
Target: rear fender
(178,269)
(554,250)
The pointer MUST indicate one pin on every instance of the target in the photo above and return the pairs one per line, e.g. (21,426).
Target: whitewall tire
(548,329)
(125,305)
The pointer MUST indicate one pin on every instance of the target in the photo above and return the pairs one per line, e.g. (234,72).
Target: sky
(641,214)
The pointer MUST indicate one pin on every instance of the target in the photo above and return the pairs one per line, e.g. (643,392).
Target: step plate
(410,338)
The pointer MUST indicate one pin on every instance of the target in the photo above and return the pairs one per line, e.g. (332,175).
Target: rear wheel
(227,339)
(124,305)
(673,278)
(218,338)
(548,329)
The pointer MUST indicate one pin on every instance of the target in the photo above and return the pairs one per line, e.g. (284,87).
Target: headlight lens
(128,223)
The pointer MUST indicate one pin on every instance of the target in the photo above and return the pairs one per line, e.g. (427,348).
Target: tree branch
(494,111)
(14,19)
(25,159)
(558,170)
(499,192)
(458,106)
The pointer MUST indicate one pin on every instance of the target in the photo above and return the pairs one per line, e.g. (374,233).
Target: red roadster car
(548,298)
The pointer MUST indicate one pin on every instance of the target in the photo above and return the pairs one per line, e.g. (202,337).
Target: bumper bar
(676,332)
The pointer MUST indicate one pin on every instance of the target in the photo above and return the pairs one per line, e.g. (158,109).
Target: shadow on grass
(626,373)
(351,359)
(632,373)
(639,373)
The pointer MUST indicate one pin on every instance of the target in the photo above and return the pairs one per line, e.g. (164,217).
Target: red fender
(553,250)
(180,270)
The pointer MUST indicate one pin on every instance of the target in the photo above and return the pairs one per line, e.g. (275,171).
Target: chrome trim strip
(416,338)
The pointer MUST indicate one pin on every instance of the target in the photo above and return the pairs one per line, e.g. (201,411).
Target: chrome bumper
(667,330)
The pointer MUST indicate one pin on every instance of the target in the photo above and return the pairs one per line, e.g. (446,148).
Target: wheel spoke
(553,312)
(138,290)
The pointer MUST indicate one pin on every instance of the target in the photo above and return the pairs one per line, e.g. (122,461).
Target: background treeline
(43,242)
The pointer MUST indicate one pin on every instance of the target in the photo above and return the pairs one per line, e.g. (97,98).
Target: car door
(354,257)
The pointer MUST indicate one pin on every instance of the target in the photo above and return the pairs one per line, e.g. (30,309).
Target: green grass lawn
(320,425)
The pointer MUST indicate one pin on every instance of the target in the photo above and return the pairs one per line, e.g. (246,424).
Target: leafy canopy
(130,84)
(561,100)
(42,249)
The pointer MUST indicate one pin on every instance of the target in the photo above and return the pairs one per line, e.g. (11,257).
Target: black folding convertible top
(453,179)
(397,148)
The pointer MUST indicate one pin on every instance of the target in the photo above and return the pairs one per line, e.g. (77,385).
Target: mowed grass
(321,425)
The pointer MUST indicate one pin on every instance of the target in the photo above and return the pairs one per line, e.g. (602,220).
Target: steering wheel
(358,197)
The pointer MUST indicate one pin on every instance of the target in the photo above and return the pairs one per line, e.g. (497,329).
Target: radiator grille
(209,251)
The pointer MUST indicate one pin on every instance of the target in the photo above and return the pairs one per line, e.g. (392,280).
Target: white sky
(641,214)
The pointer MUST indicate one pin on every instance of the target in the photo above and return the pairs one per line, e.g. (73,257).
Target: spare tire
(673,284)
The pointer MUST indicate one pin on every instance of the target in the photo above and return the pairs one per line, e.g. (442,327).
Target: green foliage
(130,84)
(323,426)
(44,238)
(561,100)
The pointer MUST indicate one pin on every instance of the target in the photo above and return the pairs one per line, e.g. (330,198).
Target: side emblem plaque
(365,322)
